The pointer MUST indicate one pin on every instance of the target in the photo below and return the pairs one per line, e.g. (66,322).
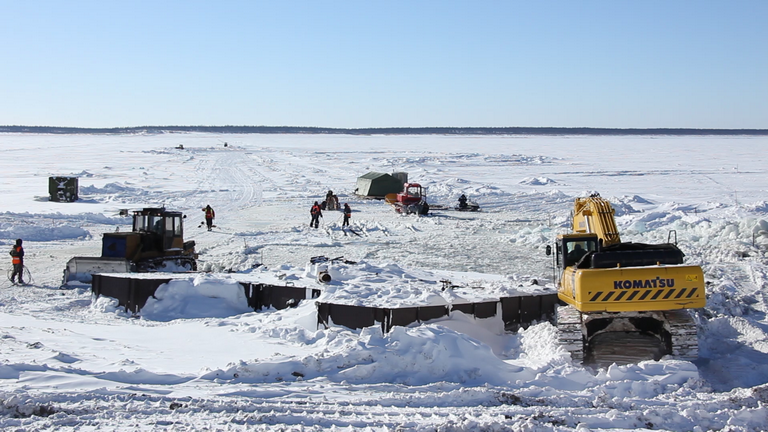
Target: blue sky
(351,64)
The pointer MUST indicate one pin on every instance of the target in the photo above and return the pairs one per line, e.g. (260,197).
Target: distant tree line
(382,131)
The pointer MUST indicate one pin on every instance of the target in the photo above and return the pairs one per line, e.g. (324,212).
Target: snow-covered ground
(197,359)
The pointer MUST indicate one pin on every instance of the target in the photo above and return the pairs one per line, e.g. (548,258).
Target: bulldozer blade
(82,268)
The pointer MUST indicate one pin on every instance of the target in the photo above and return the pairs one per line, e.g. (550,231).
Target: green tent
(376,184)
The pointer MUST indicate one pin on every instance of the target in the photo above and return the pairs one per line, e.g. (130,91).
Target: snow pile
(537,181)
(203,297)
(412,357)
(37,233)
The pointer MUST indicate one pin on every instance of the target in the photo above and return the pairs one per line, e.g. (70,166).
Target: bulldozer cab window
(176,228)
(413,191)
(155,224)
(143,223)
(169,233)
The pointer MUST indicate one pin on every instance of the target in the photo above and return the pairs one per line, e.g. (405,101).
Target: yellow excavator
(623,300)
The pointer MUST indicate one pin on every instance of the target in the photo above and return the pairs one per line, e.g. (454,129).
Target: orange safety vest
(209,213)
(17,257)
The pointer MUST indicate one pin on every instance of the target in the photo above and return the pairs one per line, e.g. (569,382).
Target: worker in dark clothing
(463,201)
(331,201)
(316,215)
(17,252)
(347,214)
(576,254)
(209,215)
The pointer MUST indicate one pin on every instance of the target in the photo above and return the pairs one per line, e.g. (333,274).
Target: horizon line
(401,130)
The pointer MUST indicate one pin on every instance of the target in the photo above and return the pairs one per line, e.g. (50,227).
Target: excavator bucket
(82,268)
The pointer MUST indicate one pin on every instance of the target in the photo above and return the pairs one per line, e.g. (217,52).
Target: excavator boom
(594,214)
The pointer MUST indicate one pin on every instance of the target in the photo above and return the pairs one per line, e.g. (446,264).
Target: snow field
(195,359)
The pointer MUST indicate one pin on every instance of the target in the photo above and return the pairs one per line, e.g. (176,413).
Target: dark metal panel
(323,312)
(530,310)
(251,294)
(510,312)
(142,290)
(109,286)
(265,296)
(284,296)
(426,313)
(381,316)
(402,316)
(486,309)
(96,285)
(354,317)
(549,304)
(279,297)
(467,308)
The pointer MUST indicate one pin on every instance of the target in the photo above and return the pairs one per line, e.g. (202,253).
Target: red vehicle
(413,199)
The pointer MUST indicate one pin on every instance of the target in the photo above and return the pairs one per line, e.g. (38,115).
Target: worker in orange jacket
(316,214)
(209,215)
(17,252)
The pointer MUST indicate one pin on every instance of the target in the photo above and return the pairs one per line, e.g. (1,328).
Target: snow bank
(202,297)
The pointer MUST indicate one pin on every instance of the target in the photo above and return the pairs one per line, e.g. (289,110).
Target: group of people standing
(316,212)
(331,203)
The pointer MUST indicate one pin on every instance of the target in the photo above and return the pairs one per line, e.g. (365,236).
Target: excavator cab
(574,247)
(155,233)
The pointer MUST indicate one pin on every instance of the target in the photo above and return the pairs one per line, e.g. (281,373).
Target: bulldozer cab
(167,226)
(155,243)
(412,193)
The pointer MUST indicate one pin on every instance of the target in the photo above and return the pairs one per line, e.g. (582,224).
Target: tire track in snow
(229,168)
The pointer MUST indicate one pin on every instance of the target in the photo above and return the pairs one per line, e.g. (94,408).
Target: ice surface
(195,358)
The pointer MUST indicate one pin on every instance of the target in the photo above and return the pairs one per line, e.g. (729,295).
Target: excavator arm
(595,214)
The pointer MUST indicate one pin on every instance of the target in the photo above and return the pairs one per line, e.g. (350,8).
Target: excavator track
(683,331)
(569,332)
(623,345)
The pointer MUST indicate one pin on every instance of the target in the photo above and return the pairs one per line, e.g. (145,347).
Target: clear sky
(351,64)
